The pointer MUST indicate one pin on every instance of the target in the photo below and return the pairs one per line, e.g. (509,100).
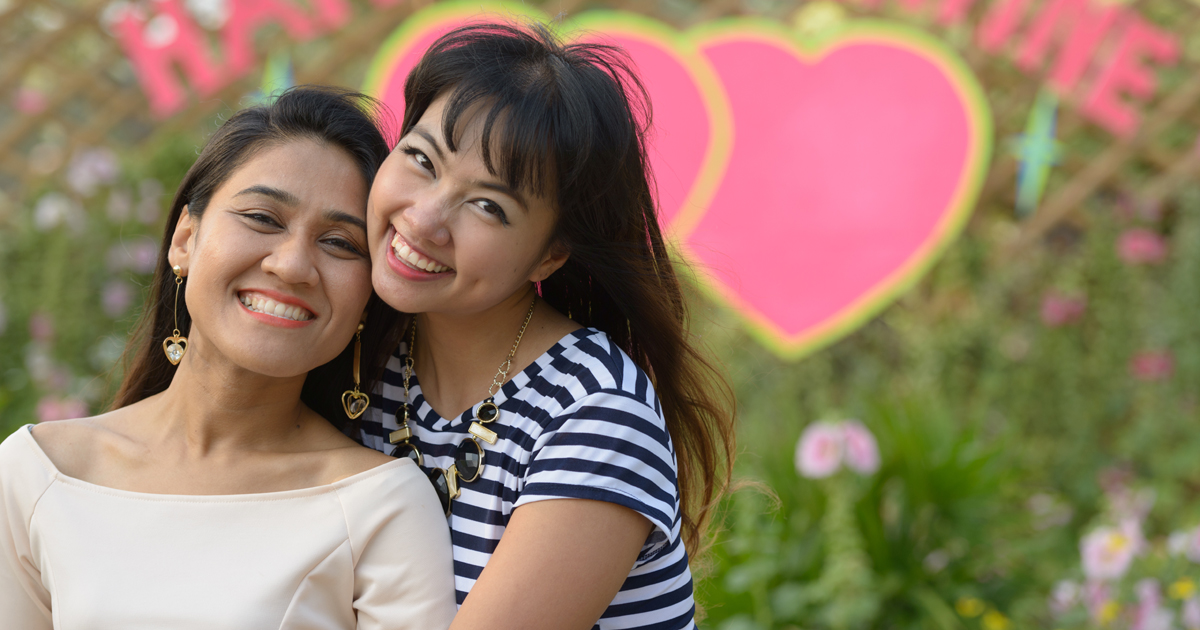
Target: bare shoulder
(345,458)
(76,446)
(354,459)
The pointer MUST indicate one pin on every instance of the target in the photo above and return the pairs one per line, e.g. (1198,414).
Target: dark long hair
(333,116)
(570,121)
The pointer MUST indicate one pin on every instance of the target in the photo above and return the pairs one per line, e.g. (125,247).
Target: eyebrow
(490,185)
(503,189)
(282,196)
(338,216)
(437,148)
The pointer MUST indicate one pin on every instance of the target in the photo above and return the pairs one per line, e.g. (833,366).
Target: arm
(24,601)
(558,566)
(404,577)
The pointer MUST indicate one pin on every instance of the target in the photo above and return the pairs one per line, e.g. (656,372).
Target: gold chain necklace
(468,460)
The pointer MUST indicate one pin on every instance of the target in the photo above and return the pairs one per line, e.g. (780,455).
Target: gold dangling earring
(176,345)
(353,401)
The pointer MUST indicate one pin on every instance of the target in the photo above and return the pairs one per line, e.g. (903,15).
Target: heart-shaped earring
(176,345)
(353,401)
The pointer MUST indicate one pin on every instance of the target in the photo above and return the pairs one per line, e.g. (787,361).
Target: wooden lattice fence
(66,84)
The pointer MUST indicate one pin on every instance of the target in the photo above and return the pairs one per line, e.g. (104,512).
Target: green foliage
(994,425)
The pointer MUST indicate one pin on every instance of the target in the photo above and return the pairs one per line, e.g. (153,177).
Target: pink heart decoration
(691,134)
(851,169)
(852,166)
(692,129)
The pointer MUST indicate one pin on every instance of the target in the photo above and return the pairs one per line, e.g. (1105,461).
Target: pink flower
(862,453)
(1149,613)
(1190,614)
(50,409)
(819,452)
(824,446)
(116,298)
(1059,309)
(41,328)
(1141,246)
(1107,553)
(1098,598)
(1152,365)
(29,101)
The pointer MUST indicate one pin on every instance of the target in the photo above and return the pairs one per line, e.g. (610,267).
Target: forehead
(515,151)
(315,173)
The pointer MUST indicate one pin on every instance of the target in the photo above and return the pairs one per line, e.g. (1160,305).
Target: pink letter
(332,13)
(1125,74)
(246,16)
(1000,24)
(155,46)
(953,11)
(1081,24)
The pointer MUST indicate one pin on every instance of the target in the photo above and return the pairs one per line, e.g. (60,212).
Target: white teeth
(405,253)
(278,309)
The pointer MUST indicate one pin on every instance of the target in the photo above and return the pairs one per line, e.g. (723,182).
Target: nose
(427,217)
(291,261)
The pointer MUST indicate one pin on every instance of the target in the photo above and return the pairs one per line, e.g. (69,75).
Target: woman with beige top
(220,491)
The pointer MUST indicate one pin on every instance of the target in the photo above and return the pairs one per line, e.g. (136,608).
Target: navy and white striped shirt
(581,422)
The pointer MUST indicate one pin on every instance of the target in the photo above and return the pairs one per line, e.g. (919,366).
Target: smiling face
(446,235)
(277,269)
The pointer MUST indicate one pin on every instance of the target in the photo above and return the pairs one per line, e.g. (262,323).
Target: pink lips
(406,271)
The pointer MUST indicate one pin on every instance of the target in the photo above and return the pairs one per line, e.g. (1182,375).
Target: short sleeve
(404,568)
(25,602)
(609,446)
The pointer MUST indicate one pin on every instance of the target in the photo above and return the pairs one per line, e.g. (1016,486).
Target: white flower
(1107,553)
(819,451)
(91,168)
(1066,595)
(1177,542)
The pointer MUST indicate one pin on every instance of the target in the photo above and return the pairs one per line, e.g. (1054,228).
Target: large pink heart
(852,166)
(690,137)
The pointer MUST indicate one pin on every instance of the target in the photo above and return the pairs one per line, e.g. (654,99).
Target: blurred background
(1009,442)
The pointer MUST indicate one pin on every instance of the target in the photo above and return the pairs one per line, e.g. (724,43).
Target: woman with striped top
(546,383)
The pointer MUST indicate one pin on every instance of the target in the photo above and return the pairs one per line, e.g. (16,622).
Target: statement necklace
(468,459)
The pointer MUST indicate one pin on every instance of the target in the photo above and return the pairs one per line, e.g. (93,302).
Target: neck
(458,355)
(215,406)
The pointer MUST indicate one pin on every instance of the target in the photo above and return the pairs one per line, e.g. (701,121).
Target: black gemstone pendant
(487,411)
(407,450)
(442,487)
(468,460)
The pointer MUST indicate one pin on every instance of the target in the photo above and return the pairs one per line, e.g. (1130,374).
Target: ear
(181,241)
(555,257)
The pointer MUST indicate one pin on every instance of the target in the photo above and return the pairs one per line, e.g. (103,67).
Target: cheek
(348,285)
(386,191)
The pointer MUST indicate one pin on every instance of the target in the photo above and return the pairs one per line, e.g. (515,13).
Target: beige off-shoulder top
(371,551)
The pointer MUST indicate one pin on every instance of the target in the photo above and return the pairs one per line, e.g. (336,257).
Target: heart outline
(686,52)
(355,395)
(869,304)
(183,343)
